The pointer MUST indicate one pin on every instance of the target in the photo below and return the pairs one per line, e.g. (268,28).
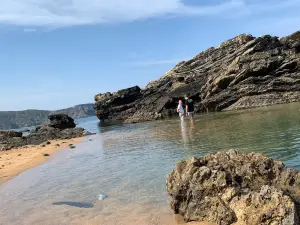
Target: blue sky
(59,53)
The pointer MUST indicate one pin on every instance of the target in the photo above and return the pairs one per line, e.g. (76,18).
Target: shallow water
(129,165)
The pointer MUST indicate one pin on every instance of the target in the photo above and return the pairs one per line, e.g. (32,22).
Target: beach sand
(15,161)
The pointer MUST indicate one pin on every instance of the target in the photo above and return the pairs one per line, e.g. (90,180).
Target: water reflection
(184,133)
(130,163)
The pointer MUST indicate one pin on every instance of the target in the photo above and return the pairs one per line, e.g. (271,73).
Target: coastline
(15,161)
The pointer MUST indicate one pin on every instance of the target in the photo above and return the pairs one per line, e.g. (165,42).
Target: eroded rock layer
(241,73)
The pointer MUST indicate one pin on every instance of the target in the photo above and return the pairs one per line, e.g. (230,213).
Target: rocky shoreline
(31,117)
(230,187)
(60,127)
(243,72)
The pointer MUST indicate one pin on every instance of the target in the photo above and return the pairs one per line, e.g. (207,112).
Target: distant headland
(28,118)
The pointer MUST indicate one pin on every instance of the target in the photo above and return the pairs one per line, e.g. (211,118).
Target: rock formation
(229,187)
(119,105)
(241,73)
(61,126)
(28,118)
(61,121)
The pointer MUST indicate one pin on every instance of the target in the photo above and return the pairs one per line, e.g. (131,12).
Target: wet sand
(15,161)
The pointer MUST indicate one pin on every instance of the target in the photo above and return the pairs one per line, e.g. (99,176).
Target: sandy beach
(15,161)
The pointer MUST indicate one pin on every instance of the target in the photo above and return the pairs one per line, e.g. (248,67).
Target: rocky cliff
(240,73)
(28,118)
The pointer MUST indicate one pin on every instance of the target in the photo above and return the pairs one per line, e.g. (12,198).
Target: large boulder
(118,105)
(61,121)
(229,187)
(243,72)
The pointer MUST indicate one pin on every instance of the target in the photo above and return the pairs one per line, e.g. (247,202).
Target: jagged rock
(61,121)
(267,206)
(46,133)
(5,136)
(11,133)
(60,127)
(118,105)
(240,73)
(229,187)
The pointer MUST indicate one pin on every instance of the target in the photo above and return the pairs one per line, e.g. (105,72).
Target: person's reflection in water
(192,130)
(184,133)
(192,123)
(187,131)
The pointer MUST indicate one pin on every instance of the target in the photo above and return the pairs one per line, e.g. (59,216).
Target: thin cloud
(79,12)
(29,30)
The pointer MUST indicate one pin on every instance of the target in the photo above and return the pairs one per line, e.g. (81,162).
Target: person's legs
(181,115)
(191,115)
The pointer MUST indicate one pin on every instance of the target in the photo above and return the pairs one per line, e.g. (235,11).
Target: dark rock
(243,72)
(48,143)
(5,135)
(61,121)
(36,139)
(118,105)
(11,141)
(45,133)
(229,187)
(57,145)
(72,146)
(43,146)
(46,155)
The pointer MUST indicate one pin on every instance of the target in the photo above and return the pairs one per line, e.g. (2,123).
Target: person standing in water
(180,110)
(189,106)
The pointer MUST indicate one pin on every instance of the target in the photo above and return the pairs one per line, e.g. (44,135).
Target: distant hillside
(28,118)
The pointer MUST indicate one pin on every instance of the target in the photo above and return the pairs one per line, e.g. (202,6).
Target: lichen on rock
(229,187)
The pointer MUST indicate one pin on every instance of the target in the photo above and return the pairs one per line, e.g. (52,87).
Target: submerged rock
(86,205)
(229,187)
(243,72)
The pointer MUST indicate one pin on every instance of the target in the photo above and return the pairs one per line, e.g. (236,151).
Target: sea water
(119,176)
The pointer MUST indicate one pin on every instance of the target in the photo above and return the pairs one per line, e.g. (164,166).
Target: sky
(59,53)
